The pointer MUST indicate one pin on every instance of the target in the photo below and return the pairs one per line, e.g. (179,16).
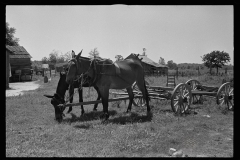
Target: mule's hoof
(82,113)
(106,117)
(129,110)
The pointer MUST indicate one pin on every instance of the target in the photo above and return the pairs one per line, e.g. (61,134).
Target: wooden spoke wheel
(181,98)
(196,99)
(225,95)
(193,84)
(139,102)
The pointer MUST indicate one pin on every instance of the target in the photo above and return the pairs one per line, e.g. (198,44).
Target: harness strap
(95,71)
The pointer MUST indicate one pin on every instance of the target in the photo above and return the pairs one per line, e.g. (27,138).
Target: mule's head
(58,97)
(73,68)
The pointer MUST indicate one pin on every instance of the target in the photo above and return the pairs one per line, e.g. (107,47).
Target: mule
(58,97)
(108,75)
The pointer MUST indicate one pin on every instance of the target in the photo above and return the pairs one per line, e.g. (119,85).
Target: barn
(20,61)
(7,70)
(151,67)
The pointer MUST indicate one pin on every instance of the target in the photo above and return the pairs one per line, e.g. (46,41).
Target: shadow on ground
(121,119)
(94,115)
(132,118)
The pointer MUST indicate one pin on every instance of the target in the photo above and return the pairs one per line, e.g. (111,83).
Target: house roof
(18,52)
(147,60)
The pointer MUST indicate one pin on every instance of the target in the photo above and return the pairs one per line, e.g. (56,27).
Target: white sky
(178,33)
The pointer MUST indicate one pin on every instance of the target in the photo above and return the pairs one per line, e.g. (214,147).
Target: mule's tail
(146,91)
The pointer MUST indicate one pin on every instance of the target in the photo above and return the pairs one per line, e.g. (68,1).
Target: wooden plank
(100,101)
(162,88)
(119,93)
(157,98)
(195,92)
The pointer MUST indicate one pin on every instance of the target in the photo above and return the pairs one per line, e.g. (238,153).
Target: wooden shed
(151,67)
(19,58)
(7,70)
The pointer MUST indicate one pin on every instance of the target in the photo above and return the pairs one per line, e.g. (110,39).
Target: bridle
(93,63)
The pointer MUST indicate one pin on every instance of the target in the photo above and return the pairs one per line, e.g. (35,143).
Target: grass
(31,130)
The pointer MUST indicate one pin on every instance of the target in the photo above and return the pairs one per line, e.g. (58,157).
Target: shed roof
(18,52)
(147,60)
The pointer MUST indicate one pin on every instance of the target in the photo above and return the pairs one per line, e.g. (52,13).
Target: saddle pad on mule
(117,68)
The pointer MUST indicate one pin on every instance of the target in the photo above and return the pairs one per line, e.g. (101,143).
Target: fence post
(43,72)
(177,72)
(199,71)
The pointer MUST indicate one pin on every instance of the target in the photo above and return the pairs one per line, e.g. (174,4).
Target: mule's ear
(73,54)
(80,53)
(48,96)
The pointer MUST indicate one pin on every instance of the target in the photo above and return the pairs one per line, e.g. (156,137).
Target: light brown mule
(107,75)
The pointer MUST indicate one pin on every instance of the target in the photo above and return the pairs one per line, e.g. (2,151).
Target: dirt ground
(16,89)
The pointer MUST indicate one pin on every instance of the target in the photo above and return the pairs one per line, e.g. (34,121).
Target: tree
(10,39)
(215,59)
(53,56)
(161,61)
(68,56)
(171,64)
(119,57)
(94,53)
(44,60)
(61,59)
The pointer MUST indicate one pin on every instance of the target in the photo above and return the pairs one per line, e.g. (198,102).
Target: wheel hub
(185,100)
(180,100)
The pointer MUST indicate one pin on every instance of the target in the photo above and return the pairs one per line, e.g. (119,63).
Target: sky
(179,33)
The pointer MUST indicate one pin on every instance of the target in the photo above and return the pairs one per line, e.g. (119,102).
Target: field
(31,130)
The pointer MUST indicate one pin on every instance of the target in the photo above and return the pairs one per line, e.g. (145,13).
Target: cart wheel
(225,95)
(139,102)
(193,84)
(196,99)
(181,98)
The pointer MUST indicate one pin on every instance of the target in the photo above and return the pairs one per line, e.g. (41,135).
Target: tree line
(215,59)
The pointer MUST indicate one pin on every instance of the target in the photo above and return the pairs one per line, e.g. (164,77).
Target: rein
(68,98)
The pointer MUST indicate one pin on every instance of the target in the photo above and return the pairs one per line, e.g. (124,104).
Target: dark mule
(108,75)
(58,97)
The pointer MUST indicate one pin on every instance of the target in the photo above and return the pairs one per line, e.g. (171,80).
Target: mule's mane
(99,60)
(61,91)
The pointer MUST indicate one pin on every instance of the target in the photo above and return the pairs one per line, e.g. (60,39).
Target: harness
(96,73)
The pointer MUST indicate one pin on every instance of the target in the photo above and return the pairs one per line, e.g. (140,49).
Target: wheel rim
(139,101)
(181,98)
(192,83)
(225,95)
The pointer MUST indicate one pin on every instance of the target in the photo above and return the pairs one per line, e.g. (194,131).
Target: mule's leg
(80,93)
(70,91)
(131,96)
(104,91)
(142,86)
(98,98)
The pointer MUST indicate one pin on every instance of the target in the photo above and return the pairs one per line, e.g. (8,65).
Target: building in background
(20,61)
(150,67)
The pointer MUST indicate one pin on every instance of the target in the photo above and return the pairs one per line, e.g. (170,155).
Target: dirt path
(17,88)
